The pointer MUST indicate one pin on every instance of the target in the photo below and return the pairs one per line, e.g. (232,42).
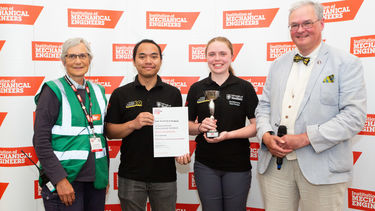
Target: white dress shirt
(294,92)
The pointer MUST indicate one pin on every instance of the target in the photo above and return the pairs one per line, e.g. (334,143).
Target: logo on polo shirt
(19,14)
(135,103)
(363,46)
(361,199)
(234,97)
(369,128)
(19,86)
(248,18)
(46,51)
(161,104)
(93,18)
(202,100)
(341,10)
(171,20)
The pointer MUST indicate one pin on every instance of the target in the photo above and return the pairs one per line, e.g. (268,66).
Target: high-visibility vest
(71,132)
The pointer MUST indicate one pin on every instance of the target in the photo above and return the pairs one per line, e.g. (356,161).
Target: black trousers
(87,198)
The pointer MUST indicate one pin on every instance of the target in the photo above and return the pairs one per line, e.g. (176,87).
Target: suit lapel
(320,62)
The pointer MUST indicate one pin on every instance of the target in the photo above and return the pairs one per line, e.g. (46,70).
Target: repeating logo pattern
(124,52)
(197,52)
(341,10)
(14,157)
(93,18)
(182,83)
(248,18)
(363,46)
(369,128)
(171,20)
(19,86)
(46,51)
(19,14)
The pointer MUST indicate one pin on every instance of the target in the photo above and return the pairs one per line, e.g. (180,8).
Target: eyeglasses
(304,25)
(81,56)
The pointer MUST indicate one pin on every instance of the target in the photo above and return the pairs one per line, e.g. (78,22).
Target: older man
(318,93)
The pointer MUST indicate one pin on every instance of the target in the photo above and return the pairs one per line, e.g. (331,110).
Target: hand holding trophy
(212,95)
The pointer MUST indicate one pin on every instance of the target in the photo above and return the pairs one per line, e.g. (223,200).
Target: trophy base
(212,134)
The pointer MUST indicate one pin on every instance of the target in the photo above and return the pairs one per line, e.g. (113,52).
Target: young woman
(222,165)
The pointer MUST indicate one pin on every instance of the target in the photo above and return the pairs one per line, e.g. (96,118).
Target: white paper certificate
(171,131)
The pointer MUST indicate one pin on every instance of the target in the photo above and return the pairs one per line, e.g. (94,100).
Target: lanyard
(87,114)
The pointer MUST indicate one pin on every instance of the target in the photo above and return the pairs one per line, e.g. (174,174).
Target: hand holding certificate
(171,131)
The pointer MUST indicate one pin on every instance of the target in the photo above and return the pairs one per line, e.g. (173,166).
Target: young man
(129,117)
(318,93)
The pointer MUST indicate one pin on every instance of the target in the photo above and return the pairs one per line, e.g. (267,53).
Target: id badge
(96,144)
(50,186)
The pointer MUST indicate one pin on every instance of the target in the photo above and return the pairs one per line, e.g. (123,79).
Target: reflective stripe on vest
(78,154)
(66,128)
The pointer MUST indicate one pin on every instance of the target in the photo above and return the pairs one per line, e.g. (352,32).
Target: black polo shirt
(137,154)
(237,100)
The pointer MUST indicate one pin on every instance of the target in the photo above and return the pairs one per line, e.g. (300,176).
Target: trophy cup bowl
(212,95)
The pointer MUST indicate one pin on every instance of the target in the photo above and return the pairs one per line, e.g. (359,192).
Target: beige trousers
(287,189)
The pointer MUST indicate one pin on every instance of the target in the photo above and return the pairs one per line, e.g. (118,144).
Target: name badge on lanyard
(96,144)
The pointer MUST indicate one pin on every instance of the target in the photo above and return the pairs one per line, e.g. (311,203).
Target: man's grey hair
(318,8)
(73,42)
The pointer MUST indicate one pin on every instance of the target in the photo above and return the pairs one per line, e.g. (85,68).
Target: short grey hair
(73,42)
(318,8)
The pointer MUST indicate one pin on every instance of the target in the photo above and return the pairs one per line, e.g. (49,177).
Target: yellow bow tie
(297,58)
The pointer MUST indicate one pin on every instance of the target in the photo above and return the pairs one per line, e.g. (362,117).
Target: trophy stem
(212,95)
(211,107)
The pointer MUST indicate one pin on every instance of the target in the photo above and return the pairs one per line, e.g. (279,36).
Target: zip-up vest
(71,132)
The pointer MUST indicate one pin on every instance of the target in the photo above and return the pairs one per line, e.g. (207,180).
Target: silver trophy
(212,95)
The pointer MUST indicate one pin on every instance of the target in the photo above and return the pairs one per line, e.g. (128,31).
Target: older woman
(222,166)
(68,135)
